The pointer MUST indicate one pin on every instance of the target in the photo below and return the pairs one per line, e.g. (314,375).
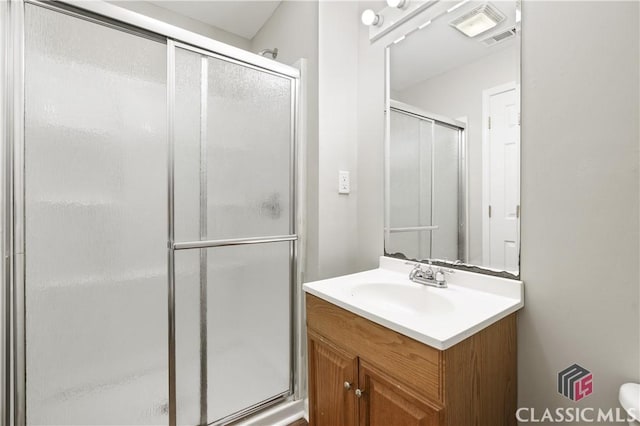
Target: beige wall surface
(580,194)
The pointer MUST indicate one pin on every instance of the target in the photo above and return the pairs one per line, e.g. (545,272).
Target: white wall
(458,93)
(170,17)
(580,191)
(338,132)
(370,144)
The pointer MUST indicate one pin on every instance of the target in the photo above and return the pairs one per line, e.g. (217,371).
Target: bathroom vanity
(385,351)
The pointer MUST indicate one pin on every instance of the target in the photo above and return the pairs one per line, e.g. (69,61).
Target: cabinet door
(330,402)
(386,402)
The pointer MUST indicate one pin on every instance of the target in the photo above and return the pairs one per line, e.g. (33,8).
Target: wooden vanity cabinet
(364,374)
(334,373)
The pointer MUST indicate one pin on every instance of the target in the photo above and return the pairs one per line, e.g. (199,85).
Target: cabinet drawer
(410,362)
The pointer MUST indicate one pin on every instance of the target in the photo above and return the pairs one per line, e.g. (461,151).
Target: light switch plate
(344,184)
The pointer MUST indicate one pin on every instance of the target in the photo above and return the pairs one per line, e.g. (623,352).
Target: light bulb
(369,17)
(396,3)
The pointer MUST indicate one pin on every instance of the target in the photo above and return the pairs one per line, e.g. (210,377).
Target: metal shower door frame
(12,295)
(292,236)
(12,194)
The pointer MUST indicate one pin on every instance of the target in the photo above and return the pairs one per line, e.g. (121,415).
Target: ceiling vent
(499,37)
(478,20)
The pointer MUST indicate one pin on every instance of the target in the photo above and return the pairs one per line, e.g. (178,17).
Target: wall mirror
(452,171)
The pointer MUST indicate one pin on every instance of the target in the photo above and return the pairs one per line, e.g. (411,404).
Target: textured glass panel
(248,151)
(187,167)
(188,328)
(96,224)
(445,192)
(248,325)
(410,184)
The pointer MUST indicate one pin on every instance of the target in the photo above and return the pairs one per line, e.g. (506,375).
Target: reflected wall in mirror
(453,140)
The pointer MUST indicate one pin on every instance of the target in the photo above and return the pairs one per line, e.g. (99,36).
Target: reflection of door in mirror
(501,189)
(425,168)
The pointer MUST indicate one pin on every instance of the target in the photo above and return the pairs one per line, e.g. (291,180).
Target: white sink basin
(405,298)
(438,317)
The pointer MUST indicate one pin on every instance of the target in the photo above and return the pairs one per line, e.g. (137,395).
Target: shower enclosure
(150,230)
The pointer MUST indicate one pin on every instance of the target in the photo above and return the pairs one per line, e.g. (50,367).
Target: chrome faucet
(428,276)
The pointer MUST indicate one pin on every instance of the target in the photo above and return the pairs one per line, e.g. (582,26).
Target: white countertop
(438,317)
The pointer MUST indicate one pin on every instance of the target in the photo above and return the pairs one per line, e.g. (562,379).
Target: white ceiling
(439,47)
(242,18)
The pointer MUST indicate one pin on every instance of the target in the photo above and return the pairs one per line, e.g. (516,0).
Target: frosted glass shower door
(96,223)
(233,190)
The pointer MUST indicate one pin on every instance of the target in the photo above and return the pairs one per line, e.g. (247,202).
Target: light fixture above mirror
(395,14)
(371,18)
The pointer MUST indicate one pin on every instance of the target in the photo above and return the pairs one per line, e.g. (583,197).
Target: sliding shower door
(234,236)
(151,224)
(95,169)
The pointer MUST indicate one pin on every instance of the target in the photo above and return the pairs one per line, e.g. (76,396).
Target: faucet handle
(415,271)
